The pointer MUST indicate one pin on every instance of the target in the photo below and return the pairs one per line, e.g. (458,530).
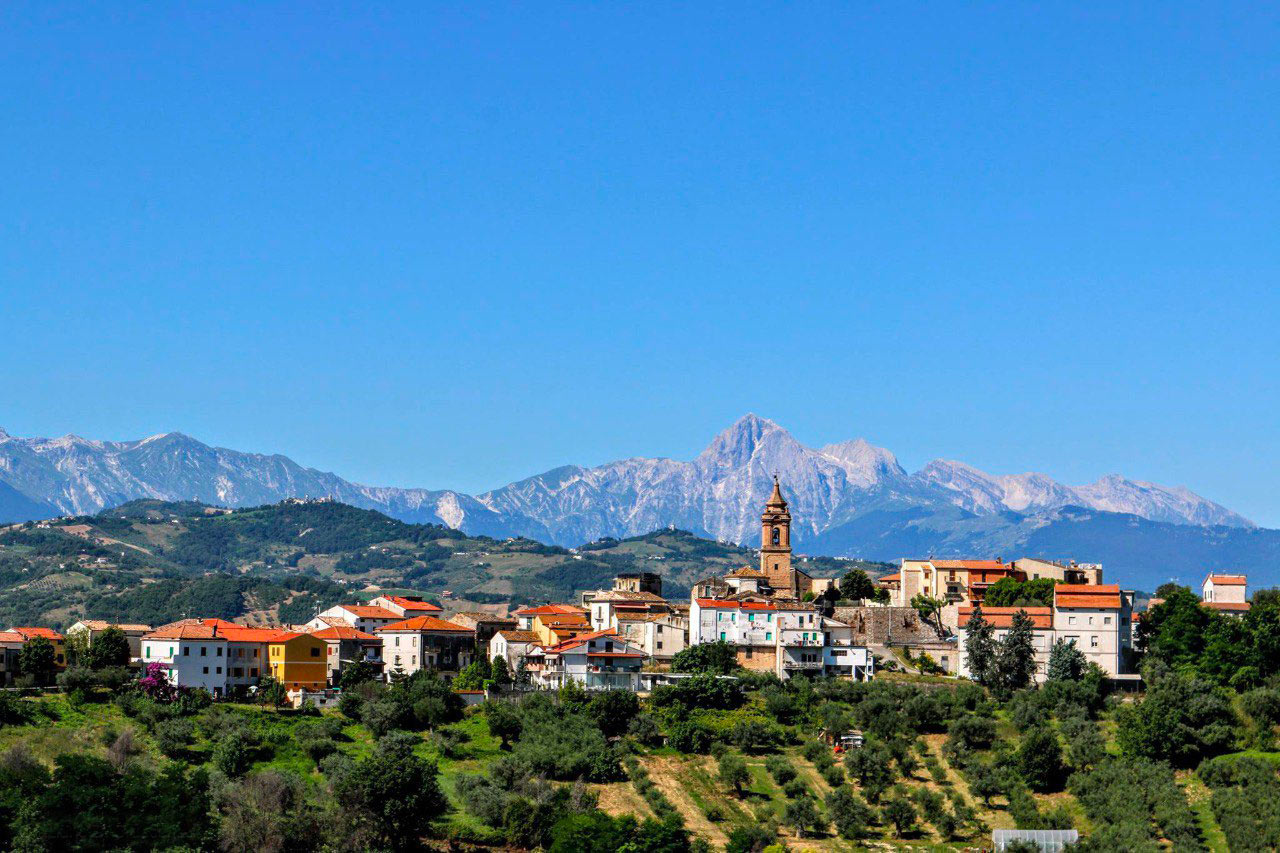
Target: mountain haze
(850,498)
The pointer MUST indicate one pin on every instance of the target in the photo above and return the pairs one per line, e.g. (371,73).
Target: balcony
(802,664)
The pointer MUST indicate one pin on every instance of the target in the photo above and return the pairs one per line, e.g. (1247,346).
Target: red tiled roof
(30,633)
(747,572)
(1228,580)
(1002,617)
(410,604)
(574,642)
(11,637)
(425,623)
(185,631)
(370,611)
(970,564)
(1233,606)
(549,609)
(342,632)
(893,578)
(1090,596)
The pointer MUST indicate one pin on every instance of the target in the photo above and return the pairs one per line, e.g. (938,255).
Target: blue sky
(452,246)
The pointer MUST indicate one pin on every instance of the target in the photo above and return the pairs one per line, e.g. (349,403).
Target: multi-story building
(406,606)
(485,625)
(363,617)
(1062,571)
(512,646)
(10,648)
(89,630)
(525,616)
(59,642)
(193,655)
(246,652)
(1001,619)
(598,661)
(606,607)
(426,642)
(1225,593)
(957,582)
(662,636)
(1098,619)
(298,661)
(346,645)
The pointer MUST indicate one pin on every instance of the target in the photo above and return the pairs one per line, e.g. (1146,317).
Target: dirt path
(666,773)
(621,798)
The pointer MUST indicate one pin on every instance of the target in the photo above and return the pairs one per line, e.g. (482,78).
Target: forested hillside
(152,561)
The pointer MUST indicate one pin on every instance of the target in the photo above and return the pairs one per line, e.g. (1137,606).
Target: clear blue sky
(452,247)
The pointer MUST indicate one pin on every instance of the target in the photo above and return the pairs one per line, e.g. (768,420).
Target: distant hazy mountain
(850,498)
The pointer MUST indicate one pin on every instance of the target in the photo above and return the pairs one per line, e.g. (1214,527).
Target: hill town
(1007,681)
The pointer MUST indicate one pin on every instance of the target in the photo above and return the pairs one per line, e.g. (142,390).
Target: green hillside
(154,562)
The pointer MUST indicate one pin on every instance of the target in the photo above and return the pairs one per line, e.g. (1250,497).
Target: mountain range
(847,499)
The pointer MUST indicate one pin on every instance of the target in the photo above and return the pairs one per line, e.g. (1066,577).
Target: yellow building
(298,661)
(58,641)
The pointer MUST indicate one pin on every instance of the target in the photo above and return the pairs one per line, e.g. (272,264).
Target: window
(768,635)
(186,650)
(204,652)
(777,536)
(315,653)
(219,651)
(253,672)
(1106,620)
(219,669)
(1071,620)
(1093,642)
(722,636)
(206,670)
(147,653)
(238,672)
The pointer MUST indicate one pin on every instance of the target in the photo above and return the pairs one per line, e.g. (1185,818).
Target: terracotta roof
(102,625)
(334,622)
(370,611)
(1228,580)
(11,637)
(583,638)
(477,616)
(518,636)
(30,633)
(186,631)
(970,564)
(1232,606)
(1091,596)
(627,595)
(548,609)
(425,623)
(410,604)
(893,578)
(746,572)
(342,632)
(234,632)
(1002,617)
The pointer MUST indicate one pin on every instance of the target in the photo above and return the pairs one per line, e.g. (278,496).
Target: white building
(1098,619)
(405,606)
(425,642)
(1226,593)
(512,646)
(193,655)
(362,617)
(662,636)
(1001,619)
(599,661)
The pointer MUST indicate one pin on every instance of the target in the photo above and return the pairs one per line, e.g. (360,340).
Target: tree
(1015,663)
(1010,592)
(718,658)
(613,710)
(37,659)
(1066,662)
(899,812)
(504,722)
(930,610)
(855,585)
(734,773)
(357,672)
(979,647)
(870,765)
(1181,720)
(272,692)
(749,838)
(473,675)
(1174,630)
(501,673)
(803,815)
(391,798)
(111,648)
(233,754)
(1039,759)
(848,812)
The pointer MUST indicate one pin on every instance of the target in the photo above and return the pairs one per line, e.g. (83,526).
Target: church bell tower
(775,541)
